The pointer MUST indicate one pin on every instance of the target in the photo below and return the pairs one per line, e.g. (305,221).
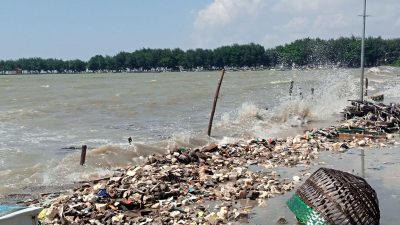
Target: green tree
(77,66)
(178,58)
(110,64)
(2,66)
(397,63)
(97,63)
(344,51)
(122,61)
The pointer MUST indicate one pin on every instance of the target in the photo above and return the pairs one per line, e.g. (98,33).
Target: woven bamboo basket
(336,198)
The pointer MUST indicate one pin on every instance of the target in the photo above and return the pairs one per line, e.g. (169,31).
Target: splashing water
(170,113)
(292,111)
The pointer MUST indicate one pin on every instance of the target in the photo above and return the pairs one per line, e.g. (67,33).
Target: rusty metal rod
(215,102)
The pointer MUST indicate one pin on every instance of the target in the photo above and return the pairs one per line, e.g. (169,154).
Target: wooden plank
(345,136)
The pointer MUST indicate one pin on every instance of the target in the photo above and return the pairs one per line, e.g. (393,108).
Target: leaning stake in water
(215,102)
(83,154)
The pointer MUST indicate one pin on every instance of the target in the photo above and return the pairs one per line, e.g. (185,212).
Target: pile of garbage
(376,118)
(172,188)
(177,187)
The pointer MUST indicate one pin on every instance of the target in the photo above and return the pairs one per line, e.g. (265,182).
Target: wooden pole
(366,86)
(215,102)
(83,154)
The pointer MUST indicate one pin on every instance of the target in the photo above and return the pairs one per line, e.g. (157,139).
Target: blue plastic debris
(7,209)
(192,190)
(103,193)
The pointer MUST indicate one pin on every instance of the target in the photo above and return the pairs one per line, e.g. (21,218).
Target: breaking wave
(251,120)
(384,70)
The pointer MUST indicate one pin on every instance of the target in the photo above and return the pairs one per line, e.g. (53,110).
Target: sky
(80,29)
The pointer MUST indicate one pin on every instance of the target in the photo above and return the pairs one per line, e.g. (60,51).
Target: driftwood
(344,136)
(377,97)
(377,116)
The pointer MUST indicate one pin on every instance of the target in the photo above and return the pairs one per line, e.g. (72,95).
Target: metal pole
(215,102)
(362,81)
(362,51)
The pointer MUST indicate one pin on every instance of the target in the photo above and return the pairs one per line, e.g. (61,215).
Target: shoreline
(228,69)
(172,188)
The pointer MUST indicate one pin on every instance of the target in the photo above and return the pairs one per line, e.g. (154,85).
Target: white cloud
(224,15)
(270,40)
(307,5)
(300,5)
(222,12)
(397,24)
(223,22)
(331,21)
(296,24)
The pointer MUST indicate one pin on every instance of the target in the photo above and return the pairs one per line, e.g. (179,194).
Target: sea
(45,119)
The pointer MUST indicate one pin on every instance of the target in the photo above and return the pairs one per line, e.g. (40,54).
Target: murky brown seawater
(42,116)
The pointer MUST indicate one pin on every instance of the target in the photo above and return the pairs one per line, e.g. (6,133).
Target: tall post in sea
(362,81)
(362,51)
(215,102)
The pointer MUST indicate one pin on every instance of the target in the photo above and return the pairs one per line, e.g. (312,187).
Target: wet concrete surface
(382,172)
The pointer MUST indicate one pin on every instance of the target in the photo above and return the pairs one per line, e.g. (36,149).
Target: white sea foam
(384,71)
(392,89)
(250,120)
(280,82)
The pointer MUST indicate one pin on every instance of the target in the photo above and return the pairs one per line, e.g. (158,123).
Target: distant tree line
(342,52)
(39,65)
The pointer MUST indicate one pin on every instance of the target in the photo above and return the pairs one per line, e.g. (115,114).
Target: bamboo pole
(215,102)
(83,155)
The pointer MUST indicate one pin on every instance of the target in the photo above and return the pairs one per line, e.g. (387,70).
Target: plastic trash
(191,190)
(103,193)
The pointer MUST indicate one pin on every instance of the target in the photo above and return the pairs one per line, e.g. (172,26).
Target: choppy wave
(280,82)
(100,161)
(20,114)
(392,89)
(251,120)
(386,80)
(241,120)
(384,71)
